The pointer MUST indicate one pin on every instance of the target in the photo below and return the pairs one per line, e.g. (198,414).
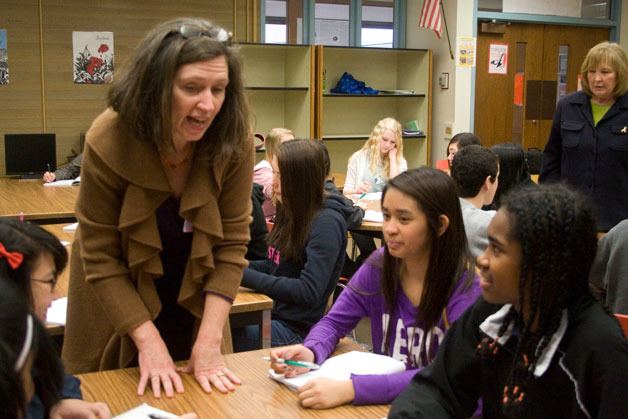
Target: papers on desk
(57,311)
(372,215)
(144,411)
(342,366)
(70,227)
(61,183)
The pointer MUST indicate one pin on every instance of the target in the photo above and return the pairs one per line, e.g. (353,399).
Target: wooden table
(37,203)
(258,396)
(249,307)
(374,205)
(338,179)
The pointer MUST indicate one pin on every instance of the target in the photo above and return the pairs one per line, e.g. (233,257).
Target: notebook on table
(342,366)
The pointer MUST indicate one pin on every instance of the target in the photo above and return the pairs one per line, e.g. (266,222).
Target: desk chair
(623,322)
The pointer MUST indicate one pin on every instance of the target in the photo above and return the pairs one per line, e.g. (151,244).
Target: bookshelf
(345,121)
(279,81)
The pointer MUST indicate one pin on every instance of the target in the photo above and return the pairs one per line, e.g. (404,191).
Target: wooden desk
(249,307)
(374,205)
(37,203)
(258,396)
(338,179)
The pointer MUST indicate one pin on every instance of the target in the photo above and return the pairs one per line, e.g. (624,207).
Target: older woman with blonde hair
(380,159)
(588,143)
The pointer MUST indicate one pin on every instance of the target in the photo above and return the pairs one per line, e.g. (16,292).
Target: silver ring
(220,374)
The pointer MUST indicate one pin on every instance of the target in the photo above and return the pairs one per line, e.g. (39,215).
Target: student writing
(411,289)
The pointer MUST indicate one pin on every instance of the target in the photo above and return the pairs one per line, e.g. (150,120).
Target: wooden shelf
(279,88)
(279,83)
(336,137)
(395,95)
(403,77)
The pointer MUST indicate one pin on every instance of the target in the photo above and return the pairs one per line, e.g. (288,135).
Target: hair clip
(28,340)
(14,259)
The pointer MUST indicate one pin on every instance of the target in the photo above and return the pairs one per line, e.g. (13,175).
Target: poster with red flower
(93,57)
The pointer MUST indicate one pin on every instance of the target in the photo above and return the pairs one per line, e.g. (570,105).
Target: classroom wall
(623,30)
(443,104)
(42,97)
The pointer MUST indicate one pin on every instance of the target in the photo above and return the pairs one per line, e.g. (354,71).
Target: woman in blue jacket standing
(588,143)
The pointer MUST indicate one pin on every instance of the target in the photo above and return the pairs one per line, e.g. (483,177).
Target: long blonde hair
(372,144)
(274,139)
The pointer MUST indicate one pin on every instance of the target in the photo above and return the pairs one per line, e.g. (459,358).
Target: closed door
(522,70)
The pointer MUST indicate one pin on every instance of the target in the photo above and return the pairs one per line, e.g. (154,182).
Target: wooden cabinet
(289,86)
(345,121)
(280,86)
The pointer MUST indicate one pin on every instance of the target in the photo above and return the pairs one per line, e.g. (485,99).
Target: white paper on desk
(61,183)
(70,227)
(372,215)
(342,366)
(142,411)
(57,311)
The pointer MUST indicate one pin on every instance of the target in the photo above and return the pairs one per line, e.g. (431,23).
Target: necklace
(172,165)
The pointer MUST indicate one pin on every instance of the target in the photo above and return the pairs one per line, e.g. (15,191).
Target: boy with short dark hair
(475,170)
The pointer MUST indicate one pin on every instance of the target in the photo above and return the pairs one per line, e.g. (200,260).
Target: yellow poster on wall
(465,51)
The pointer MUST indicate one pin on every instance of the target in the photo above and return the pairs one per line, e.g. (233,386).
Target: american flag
(430,16)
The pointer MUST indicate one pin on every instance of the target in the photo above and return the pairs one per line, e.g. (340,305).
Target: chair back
(623,321)
(443,165)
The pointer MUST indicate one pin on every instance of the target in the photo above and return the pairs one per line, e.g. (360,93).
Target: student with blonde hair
(263,171)
(380,159)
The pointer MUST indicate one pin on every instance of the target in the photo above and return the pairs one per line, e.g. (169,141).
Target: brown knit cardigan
(115,257)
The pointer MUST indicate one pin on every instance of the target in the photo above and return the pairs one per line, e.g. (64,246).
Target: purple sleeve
(345,314)
(463,297)
(380,389)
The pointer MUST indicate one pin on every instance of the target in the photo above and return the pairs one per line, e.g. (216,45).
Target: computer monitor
(30,155)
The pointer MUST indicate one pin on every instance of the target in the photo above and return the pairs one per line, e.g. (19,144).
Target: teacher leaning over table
(163,211)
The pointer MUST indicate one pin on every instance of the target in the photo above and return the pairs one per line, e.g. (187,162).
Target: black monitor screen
(29,153)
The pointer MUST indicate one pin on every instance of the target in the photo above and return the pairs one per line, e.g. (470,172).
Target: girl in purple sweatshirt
(412,289)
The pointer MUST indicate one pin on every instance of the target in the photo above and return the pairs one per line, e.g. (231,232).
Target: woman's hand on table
(156,365)
(323,393)
(294,353)
(209,368)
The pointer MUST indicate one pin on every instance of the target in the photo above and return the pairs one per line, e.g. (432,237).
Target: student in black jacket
(537,345)
(306,247)
(257,248)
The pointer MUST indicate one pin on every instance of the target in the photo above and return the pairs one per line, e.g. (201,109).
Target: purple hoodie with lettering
(364,298)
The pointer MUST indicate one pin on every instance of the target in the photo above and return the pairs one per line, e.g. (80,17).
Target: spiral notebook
(341,367)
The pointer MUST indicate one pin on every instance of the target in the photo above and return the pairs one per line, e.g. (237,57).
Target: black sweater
(301,290)
(587,375)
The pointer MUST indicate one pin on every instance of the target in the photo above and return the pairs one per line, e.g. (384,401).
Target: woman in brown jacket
(163,211)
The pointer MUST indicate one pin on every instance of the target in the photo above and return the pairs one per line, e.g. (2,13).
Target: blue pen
(362,196)
(304,364)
